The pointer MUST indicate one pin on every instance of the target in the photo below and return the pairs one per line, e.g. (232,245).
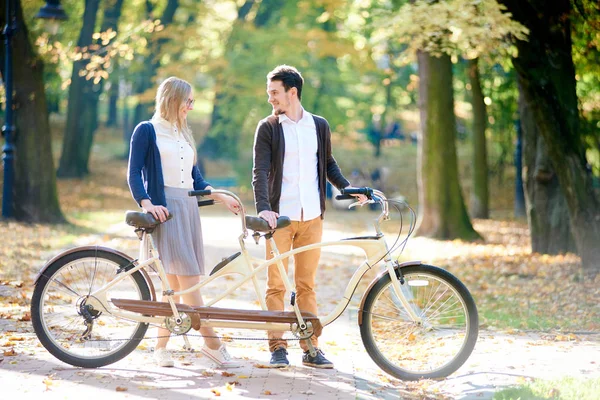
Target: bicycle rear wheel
(433,347)
(59,313)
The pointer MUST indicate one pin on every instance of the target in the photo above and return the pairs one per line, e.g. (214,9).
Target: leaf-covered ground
(515,291)
(513,288)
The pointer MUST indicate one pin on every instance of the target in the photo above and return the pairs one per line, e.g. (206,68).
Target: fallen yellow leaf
(10,353)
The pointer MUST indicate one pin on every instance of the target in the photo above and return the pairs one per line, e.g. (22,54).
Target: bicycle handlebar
(345,197)
(199,193)
(367,191)
(209,202)
(372,194)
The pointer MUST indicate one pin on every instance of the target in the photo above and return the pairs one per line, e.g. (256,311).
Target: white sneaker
(221,357)
(163,358)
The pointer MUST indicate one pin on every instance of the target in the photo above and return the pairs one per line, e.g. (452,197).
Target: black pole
(519,192)
(8,130)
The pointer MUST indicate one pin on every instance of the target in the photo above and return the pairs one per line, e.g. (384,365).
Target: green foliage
(300,34)
(585,33)
(470,28)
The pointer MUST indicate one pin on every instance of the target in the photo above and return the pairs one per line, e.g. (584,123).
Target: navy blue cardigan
(144,173)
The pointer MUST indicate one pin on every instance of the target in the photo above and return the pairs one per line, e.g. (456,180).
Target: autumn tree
(35,196)
(435,31)
(546,75)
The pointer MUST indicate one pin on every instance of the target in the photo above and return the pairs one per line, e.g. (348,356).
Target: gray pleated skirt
(179,240)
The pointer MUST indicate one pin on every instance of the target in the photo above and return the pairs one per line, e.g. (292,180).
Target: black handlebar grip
(345,197)
(202,203)
(199,193)
(367,191)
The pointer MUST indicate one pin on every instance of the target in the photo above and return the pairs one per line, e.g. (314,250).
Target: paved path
(499,359)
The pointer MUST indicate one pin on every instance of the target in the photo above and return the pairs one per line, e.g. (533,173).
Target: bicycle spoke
(66,287)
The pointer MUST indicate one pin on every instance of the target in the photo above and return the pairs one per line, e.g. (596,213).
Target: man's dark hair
(289,77)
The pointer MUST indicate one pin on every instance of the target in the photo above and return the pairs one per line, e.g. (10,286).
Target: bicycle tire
(56,305)
(432,349)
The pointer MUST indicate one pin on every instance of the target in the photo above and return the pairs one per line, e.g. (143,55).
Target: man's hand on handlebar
(270,217)
(360,197)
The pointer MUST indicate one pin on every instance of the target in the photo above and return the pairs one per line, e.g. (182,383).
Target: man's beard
(278,111)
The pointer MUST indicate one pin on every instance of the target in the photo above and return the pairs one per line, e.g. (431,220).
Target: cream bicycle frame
(375,250)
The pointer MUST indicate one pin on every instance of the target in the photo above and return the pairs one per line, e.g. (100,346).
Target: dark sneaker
(279,358)
(318,361)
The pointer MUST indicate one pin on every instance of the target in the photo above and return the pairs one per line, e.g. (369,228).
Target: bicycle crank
(180,327)
(302,333)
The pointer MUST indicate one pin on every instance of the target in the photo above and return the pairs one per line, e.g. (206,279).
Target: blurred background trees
(415,91)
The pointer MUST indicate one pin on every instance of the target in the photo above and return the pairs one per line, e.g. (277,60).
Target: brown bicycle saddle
(142,220)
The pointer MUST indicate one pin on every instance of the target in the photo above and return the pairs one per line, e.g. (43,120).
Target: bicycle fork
(399,287)
(302,325)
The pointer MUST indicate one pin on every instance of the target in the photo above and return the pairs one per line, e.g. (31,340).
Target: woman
(162,169)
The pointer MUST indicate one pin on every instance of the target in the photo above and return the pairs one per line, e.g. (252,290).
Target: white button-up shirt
(176,155)
(300,199)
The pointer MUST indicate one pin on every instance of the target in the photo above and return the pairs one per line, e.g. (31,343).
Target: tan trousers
(298,234)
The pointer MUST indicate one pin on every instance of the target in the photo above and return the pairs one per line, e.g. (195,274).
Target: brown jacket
(267,172)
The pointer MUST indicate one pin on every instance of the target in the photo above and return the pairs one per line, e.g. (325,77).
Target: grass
(568,388)
(507,314)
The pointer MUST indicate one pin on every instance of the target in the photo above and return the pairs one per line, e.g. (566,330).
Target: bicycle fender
(374,281)
(96,248)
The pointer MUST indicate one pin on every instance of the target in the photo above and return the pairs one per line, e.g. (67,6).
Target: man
(292,161)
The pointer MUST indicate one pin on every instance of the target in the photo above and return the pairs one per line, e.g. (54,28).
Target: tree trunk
(92,91)
(73,162)
(479,194)
(442,211)
(35,194)
(547,78)
(547,211)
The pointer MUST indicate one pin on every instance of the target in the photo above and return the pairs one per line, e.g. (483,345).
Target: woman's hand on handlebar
(159,212)
(360,197)
(231,203)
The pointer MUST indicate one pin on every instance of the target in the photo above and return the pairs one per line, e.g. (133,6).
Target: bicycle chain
(226,338)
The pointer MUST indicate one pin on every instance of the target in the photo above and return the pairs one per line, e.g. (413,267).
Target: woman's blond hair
(173,94)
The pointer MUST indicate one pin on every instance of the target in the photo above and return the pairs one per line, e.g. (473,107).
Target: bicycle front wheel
(74,333)
(438,342)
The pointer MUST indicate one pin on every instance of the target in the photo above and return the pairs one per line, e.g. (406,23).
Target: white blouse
(176,155)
